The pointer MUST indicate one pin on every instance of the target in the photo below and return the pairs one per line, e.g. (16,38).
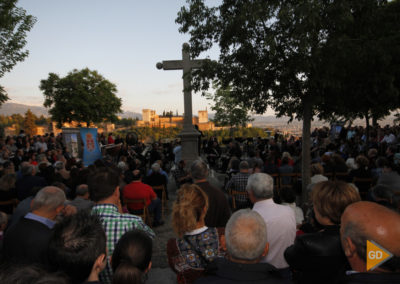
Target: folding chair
(143,213)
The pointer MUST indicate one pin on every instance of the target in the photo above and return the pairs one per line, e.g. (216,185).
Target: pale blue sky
(121,39)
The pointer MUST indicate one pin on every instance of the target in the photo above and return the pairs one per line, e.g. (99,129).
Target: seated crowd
(62,222)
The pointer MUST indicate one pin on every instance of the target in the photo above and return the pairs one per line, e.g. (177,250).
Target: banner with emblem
(91,149)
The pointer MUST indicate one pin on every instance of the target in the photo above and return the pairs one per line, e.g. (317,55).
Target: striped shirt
(115,225)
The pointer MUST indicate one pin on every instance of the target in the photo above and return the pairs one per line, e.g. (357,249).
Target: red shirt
(139,190)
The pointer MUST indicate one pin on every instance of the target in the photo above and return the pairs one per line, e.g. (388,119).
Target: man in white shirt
(177,152)
(389,137)
(280,220)
(41,145)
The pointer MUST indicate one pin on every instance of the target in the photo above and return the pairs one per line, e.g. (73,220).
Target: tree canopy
(366,69)
(14,24)
(81,96)
(30,123)
(228,110)
(279,53)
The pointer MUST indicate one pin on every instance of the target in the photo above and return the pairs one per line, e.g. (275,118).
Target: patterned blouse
(189,256)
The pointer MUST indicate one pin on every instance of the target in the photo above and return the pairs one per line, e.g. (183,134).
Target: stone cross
(189,135)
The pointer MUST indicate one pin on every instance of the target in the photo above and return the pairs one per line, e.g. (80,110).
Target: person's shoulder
(325,240)
(283,209)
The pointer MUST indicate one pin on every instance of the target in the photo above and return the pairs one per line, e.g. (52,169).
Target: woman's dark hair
(131,258)
(287,195)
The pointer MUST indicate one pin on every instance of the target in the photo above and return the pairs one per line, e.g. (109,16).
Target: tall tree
(14,24)
(273,53)
(229,111)
(81,96)
(368,51)
(29,124)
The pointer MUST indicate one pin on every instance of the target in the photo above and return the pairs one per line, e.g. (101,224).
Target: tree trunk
(374,121)
(306,152)
(367,128)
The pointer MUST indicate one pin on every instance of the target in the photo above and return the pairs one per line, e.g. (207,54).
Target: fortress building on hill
(151,119)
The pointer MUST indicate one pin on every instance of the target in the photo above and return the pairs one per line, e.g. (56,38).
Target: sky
(121,39)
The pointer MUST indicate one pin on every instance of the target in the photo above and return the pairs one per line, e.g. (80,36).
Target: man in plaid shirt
(104,190)
(238,183)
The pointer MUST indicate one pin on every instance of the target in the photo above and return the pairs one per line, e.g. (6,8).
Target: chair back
(143,213)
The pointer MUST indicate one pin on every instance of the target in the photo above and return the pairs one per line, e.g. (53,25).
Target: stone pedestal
(189,140)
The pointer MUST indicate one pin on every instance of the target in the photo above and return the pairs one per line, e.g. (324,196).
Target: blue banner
(91,150)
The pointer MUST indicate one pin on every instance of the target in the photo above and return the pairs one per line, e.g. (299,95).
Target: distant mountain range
(14,108)
(259,120)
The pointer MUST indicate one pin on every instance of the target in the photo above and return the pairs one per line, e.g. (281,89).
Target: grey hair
(27,170)
(49,197)
(198,170)
(40,158)
(246,235)
(358,236)
(82,189)
(59,165)
(243,165)
(122,165)
(262,185)
(155,167)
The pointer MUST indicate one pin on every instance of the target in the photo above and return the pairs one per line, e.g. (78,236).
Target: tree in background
(274,53)
(126,122)
(81,96)
(229,111)
(29,124)
(14,24)
(369,71)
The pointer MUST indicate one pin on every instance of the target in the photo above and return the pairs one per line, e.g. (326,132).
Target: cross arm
(178,64)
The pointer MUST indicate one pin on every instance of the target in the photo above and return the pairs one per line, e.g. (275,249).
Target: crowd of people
(66,223)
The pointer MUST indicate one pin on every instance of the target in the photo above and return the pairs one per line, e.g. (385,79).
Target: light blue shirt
(49,223)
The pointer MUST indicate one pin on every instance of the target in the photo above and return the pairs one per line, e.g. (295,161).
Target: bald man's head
(362,221)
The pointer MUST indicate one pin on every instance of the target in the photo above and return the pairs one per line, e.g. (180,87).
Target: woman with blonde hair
(196,245)
(318,257)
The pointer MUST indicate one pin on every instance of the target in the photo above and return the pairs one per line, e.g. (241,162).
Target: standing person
(197,244)
(318,257)
(218,210)
(280,219)
(177,152)
(104,190)
(110,139)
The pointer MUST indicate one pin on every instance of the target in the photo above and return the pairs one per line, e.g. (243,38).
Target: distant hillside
(13,108)
(130,114)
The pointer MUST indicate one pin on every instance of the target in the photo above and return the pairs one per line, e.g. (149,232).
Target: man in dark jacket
(246,243)
(218,207)
(27,240)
